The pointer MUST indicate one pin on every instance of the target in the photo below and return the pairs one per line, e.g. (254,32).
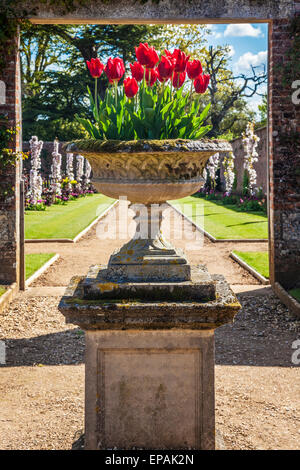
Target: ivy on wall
(8,157)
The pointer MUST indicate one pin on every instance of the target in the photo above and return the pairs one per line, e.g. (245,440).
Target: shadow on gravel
(261,335)
(64,347)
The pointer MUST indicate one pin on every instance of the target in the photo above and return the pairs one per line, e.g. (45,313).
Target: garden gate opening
(283,123)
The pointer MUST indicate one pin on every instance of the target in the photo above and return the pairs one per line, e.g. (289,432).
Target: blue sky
(249,46)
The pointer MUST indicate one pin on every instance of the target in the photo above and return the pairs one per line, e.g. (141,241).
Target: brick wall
(9,208)
(284,117)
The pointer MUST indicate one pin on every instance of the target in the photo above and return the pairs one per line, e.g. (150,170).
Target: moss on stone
(93,146)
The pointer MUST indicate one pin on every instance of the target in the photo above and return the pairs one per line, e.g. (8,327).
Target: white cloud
(248,59)
(213,31)
(245,29)
(231,51)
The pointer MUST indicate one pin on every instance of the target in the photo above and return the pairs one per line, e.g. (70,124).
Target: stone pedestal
(150,389)
(149,358)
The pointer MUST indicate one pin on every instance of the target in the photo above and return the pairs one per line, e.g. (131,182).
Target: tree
(228,92)
(55,75)
(263,110)
(103,41)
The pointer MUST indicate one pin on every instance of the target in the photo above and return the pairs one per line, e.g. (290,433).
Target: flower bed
(151,103)
(253,203)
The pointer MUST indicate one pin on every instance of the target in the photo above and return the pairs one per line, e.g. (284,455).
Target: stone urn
(148,173)
(148,316)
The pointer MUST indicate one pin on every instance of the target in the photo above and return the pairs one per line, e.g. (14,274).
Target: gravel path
(257,386)
(77,258)
(42,383)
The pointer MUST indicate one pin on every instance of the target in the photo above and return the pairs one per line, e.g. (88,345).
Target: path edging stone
(292,304)
(42,269)
(8,296)
(243,264)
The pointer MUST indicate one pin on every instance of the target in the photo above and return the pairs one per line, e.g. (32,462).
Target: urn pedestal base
(98,286)
(149,358)
(150,390)
(148,257)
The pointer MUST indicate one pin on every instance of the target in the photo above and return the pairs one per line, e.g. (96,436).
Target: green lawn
(65,221)
(259,260)
(35,261)
(224,222)
(2,290)
(295,293)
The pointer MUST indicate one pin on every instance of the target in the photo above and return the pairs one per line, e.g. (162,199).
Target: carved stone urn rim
(142,146)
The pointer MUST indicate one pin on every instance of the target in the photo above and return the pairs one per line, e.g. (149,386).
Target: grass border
(292,304)
(41,270)
(262,279)
(8,296)
(211,237)
(78,236)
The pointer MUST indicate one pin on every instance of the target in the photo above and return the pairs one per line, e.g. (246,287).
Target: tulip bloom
(137,71)
(151,76)
(131,87)
(179,58)
(114,69)
(95,67)
(146,55)
(165,69)
(201,83)
(178,79)
(194,69)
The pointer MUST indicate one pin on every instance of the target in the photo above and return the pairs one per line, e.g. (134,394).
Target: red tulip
(114,69)
(201,83)
(179,58)
(194,69)
(165,69)
(151,76)
(95,67)
(178,79)
(137,71)
(131,87)
(146,55)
